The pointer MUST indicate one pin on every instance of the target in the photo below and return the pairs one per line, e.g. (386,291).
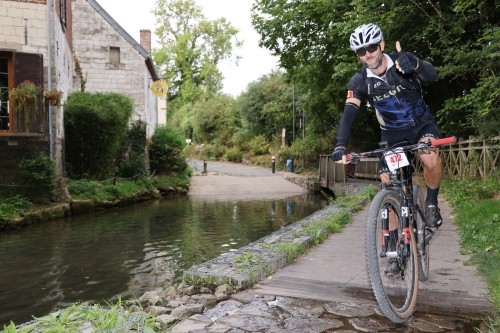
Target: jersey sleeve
(356,87)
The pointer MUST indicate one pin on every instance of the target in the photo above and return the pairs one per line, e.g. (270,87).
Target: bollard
(291,167)
(114,180)
(273,164)
(204,166)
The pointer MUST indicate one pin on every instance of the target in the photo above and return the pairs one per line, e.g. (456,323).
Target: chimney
(146,39)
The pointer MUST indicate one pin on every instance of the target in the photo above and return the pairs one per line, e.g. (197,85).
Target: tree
(459,37)
(191,47)
(267,106)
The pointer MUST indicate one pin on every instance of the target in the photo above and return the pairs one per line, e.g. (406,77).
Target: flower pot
(29,100)
(53,101)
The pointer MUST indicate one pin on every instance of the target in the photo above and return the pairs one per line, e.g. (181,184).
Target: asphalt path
(234,169)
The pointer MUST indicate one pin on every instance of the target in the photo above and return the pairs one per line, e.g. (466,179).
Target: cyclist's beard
(377,63)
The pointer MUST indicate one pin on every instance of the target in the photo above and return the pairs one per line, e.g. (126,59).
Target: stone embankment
(56,211)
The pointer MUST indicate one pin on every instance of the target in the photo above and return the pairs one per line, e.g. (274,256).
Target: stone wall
(12,150)
(302,181)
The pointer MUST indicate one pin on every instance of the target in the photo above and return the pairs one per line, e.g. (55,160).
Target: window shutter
(29,66)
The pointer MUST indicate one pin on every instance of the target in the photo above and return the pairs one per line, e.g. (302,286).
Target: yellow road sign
(159,88)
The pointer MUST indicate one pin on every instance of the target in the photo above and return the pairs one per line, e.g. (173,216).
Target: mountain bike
(397,240)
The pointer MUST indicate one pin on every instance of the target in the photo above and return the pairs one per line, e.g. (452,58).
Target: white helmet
(365,35)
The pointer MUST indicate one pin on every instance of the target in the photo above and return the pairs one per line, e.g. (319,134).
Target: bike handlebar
(417,146)
(444,141)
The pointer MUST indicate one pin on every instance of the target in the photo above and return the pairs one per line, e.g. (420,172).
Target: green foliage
(213,119)
(258,145)
(39,173)
(213,151)
(87,189)
(266,107)
(103,319)
(234,155)
(166,151)
(132,166)
(191,48)
(131,158)
(182,179)
(95,126)
(477,215)
(460,38)
(248,257)
(11,206)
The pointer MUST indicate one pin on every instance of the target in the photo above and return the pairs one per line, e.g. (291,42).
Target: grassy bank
(13,206)
(476,208)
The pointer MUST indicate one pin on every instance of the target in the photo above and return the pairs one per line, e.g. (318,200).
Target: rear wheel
(421,231)
(396,294)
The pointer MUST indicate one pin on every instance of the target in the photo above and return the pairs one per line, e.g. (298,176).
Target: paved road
(234,169)
(226,180)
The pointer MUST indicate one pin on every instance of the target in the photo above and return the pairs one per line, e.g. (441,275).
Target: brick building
(40,40)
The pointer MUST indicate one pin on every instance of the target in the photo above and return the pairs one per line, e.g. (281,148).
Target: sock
(432,196)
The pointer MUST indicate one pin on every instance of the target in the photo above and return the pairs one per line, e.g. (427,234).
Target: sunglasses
(370,48)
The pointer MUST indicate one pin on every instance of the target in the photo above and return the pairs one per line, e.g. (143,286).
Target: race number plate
(396,161)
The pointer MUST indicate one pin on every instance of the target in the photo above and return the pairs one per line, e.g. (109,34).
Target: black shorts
(425,128)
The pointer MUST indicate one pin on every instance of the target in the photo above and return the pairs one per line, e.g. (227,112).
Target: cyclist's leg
(432,173)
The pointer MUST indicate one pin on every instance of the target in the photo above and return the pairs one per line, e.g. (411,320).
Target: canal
(102,256)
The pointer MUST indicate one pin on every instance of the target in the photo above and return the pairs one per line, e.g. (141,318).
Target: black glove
(407,62)
(338,153)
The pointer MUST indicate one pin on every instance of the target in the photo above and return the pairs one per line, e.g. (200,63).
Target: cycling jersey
(397,97)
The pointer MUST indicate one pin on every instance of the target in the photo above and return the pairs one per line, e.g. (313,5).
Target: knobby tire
(396,297)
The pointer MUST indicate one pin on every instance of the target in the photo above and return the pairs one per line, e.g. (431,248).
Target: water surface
(98,256)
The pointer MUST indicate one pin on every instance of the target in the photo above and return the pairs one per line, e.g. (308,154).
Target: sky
(133,15)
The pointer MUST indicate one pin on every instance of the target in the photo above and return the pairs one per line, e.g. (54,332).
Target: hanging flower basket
(54,96)
(25,98)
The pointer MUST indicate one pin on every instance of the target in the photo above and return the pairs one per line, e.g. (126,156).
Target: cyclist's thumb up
(398,47)
(406,62)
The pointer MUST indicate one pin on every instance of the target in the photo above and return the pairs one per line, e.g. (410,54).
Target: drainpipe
(49,71)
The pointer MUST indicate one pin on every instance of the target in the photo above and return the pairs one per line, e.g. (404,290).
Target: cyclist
(390,83)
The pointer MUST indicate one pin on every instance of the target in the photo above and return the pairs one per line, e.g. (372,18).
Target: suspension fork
(385,229)
(405,221)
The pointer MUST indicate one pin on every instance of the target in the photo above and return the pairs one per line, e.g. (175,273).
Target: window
(114,55)
(16,67)
(4,93)
(62,11)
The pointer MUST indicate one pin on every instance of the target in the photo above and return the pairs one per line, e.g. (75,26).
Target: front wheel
(392,270)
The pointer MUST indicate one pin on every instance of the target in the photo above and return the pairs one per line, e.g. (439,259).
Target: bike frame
(401,182)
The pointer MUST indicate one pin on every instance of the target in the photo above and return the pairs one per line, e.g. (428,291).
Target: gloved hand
(406,62)
(338,153)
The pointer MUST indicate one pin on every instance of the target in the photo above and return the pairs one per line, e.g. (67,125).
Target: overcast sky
(135,15)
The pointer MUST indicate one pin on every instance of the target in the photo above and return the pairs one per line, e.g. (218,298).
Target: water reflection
(127,251)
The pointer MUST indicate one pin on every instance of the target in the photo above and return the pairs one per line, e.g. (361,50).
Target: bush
(95,126)
(11,206)
(259,145)
(212,152)
(234,155)
(132,155)
(39,173)
(166,151)
(133,165)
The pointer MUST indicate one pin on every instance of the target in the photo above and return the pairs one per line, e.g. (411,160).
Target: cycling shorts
(425,128)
